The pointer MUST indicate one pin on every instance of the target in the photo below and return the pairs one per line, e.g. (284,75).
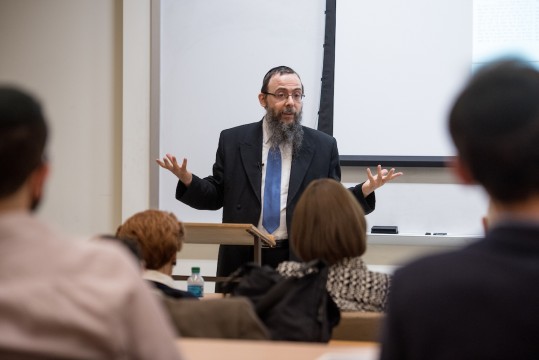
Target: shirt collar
(159,277)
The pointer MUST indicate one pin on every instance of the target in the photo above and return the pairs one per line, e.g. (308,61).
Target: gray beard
(285,134)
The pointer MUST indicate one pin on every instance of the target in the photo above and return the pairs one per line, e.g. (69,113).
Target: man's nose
(289,100)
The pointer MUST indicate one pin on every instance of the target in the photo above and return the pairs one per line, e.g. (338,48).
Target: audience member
(329,224)
(61,298)
(159,235)
(481,301)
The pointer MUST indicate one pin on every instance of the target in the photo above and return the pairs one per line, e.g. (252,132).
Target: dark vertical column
(325,111)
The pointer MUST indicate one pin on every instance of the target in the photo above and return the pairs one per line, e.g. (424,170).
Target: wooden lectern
(226,234)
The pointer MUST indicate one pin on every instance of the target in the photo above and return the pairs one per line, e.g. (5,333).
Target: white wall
(69,54)
(135,140)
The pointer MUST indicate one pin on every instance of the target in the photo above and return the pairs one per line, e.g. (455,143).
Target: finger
(167,163)
(369,175)
(396,174)
(184,164)
(388,176)
(173,161)
(390,173)
(380,176)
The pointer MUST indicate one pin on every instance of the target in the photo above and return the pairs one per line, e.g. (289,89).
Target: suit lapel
(300,165)
(251,157)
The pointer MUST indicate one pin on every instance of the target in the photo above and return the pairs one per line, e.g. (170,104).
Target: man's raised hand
(170,163)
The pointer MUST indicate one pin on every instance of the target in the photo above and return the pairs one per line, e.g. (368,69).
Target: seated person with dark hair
(159,235)
(61,298)
(481,301)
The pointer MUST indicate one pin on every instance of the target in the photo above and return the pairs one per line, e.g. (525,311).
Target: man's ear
(461,171)
(262,100)
(39,178)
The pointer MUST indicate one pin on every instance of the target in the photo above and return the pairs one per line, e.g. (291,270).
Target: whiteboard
(417,209)
(213,55)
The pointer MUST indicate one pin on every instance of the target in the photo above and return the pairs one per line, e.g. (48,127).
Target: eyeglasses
(283,96)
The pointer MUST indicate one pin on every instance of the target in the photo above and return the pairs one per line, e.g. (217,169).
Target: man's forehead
(284,81)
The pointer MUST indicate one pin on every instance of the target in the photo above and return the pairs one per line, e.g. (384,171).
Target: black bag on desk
(293,309)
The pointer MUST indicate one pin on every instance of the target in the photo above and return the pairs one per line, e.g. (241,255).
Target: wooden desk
(226,234)
(210,296)
(359,326)
(210,349)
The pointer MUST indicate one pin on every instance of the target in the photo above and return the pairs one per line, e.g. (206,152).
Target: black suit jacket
(171,292)
(480,302)
(237,177)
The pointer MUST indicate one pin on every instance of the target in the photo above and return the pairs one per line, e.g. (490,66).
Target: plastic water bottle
(195,282)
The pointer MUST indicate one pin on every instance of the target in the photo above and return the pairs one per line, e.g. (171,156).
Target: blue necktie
(272,191)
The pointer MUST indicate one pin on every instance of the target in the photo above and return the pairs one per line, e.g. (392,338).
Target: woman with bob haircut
(159,235)
(330,225)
